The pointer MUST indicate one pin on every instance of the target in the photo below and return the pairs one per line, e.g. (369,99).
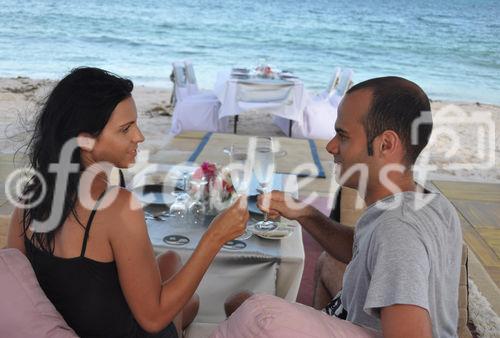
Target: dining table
(272,266)
(266,265)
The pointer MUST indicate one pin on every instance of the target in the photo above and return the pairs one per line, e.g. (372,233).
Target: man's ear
(388,143)
(85,141)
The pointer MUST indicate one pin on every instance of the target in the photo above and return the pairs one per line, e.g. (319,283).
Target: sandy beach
(21,97)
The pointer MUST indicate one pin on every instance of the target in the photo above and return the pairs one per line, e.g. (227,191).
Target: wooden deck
(478,205)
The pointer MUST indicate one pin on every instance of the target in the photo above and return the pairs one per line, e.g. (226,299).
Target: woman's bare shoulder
(123,210)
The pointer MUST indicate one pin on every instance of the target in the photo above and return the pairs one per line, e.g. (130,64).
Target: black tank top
(87,293)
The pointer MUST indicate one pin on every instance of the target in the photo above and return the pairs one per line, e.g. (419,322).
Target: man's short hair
(396,104)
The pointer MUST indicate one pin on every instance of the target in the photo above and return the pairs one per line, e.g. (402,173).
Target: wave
(107,39)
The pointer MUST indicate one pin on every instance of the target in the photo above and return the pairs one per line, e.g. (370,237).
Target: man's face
(348,147)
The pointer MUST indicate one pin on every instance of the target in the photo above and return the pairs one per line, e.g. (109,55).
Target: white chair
(192,83)
(332,85)
(321,112)
(344,83)
(319,119)
(194,111)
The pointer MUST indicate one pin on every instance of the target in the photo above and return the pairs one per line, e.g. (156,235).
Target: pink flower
(207,170)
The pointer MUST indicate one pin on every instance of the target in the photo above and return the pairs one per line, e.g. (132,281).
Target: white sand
(20,98)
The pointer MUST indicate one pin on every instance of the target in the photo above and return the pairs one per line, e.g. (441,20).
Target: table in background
(227,90)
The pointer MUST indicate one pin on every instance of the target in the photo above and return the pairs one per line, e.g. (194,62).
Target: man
(404,257)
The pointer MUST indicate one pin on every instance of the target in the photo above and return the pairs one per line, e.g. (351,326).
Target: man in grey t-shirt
(404,257)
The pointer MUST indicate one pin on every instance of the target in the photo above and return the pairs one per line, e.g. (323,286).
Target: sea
(451,48)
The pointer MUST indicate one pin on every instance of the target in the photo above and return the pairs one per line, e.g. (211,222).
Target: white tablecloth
(233,271)
(226,89)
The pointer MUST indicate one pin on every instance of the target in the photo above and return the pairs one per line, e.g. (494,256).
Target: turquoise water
(451,48)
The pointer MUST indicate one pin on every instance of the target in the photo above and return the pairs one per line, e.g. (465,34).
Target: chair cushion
(269,316)
(25,311)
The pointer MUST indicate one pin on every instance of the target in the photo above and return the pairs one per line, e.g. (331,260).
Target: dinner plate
(157,198)
(240,70)
(281,232)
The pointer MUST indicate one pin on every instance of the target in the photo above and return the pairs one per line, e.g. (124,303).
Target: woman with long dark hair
(86,240)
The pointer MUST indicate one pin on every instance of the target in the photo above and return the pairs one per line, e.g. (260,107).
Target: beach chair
(194,110)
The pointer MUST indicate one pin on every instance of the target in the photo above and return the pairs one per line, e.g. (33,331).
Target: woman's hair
(82,102)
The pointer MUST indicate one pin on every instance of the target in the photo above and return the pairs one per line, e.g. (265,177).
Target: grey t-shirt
(407,254)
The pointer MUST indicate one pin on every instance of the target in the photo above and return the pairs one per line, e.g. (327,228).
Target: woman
(95,262)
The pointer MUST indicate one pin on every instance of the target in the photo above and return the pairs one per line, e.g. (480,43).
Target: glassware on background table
(241,176)
(264,173)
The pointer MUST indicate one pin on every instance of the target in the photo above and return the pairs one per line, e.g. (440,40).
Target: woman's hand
(229,224)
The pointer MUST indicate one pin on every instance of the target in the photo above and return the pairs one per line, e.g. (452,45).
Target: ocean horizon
(450,48)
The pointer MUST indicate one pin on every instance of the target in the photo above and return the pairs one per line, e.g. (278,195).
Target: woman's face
(118,141)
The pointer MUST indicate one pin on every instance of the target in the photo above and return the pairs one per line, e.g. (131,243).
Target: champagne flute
(264,173)
(240,177)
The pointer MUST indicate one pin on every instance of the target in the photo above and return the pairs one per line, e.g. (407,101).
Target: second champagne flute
(264,173)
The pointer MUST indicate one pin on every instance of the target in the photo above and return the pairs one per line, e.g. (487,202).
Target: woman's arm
(15,237)
(154,304)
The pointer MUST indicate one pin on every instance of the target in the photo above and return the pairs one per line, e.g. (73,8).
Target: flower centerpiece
(218,190)
(265,71)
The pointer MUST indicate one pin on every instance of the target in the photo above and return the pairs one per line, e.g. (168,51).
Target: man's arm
(335,238)
(403,320)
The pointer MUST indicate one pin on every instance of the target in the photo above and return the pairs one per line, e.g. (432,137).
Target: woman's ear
(85,141)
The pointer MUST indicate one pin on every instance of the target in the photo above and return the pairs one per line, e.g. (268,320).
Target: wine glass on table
(241,176)
(197,207)
(264,173)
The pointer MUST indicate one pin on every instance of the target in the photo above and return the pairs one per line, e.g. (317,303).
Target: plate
(235,245)
(283,231)
(177,240)
(157,198)
(240,70)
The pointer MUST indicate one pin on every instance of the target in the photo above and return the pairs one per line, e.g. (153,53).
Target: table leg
(235,123)
(290,124)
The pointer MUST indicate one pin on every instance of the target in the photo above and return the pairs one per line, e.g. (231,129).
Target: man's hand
(278,203)
(403,320)
(335,238)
